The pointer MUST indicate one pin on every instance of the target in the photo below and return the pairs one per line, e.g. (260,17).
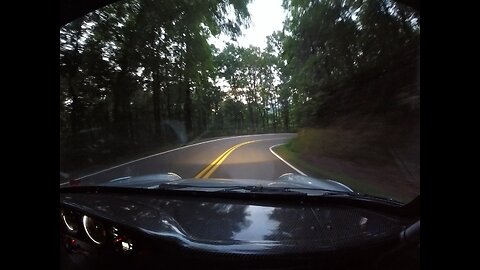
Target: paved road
(244,157)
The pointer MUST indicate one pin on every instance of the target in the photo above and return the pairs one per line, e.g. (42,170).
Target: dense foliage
(141,74)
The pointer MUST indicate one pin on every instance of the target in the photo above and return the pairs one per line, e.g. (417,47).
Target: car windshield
(300,91)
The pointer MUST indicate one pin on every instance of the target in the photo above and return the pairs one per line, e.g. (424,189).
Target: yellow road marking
(212,164)
(207,171)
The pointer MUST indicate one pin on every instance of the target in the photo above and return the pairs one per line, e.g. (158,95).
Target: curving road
(242,157)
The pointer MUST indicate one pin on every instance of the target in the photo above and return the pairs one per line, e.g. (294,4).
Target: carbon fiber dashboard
(241,234)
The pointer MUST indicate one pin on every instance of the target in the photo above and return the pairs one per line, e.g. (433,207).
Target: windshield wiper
(306,191)
(303,190)
(249,189)
(258,189)
(261,189)
(291,190)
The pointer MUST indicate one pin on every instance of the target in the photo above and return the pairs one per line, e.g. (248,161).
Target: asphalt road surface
(240,157)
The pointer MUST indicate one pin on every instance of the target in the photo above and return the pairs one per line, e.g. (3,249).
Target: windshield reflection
(206,220)
(260,223)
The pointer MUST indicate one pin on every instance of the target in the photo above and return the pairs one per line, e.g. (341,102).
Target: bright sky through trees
(266,16)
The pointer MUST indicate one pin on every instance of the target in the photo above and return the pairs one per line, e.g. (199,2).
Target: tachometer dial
(94,229)
(70,220)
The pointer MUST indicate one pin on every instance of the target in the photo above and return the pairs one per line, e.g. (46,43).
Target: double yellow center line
(205,173)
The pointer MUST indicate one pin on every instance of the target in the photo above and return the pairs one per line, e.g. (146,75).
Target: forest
(140,75)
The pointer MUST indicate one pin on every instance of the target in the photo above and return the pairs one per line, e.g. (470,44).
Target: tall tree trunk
(250,114)
(274,109)
(188,108)
(72,70)
(131,125)
(121,89)
(286,115)
(75,108)
(253,102)
(121,105)
(157,117)
(263,119)
(169,101)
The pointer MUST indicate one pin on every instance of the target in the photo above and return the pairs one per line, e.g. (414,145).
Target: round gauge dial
(70,220)
(94,229)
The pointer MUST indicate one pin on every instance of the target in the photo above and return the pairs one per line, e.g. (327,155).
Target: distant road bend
(240,157)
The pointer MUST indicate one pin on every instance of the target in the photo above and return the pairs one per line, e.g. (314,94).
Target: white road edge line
(172,150)
(291,166)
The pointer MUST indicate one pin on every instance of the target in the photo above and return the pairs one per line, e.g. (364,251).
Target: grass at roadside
(361,180)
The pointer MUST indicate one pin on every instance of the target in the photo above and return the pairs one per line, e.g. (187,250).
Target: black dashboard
(145,231)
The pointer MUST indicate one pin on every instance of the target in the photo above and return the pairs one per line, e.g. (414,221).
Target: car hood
(231,225)
(289,180)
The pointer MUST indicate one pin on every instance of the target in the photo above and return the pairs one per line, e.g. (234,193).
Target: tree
(133,66)
(334,47)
